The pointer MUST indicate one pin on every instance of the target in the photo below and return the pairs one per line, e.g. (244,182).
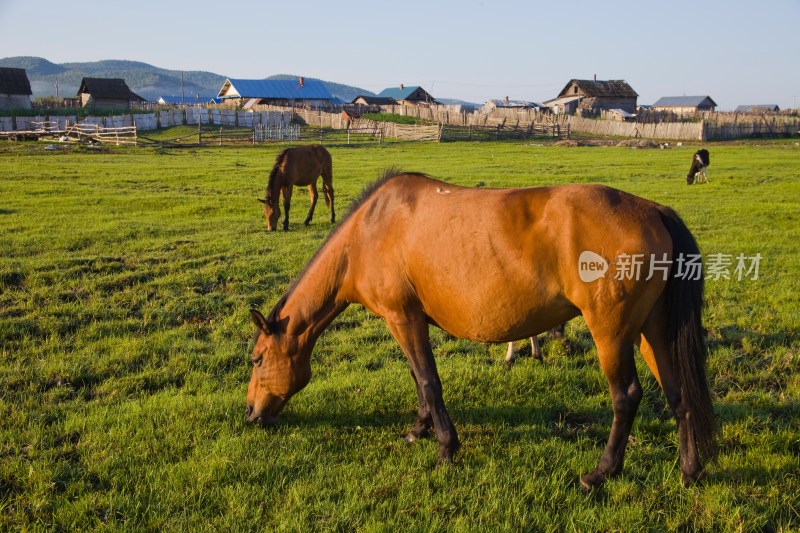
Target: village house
(295,92)
(590,97)
(107,93)
(413,95)
(685,105)
(758,108)
(15,89)
(374,103)
(506,103)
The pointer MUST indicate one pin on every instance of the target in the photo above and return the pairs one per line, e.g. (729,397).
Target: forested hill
(146,80)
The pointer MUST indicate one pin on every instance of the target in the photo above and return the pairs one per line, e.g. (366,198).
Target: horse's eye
(257,361)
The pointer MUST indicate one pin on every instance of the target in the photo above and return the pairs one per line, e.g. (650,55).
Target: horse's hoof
(307,222)
(592,481)
(410,438)
(691,478)
(445,458)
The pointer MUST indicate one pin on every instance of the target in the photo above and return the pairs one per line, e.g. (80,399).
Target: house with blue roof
(412,95)
(684,105)
(293,92)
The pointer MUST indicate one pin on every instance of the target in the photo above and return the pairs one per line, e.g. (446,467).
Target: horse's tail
(686,336)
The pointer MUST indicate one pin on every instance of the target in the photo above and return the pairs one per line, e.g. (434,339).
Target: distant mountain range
(149,82)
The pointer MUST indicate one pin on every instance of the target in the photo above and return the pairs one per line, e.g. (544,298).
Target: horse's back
(304,164)
(499,264)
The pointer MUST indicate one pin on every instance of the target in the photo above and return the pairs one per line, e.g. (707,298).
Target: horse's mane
(366,193)
(276,168)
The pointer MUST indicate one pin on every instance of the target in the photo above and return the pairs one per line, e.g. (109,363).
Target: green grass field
(126,276)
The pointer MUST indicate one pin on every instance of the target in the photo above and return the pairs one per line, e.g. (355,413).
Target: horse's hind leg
(617,362)
(656,353)
(312,191)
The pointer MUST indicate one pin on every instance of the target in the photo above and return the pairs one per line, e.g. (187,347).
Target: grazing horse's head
(279,371)
(271,212)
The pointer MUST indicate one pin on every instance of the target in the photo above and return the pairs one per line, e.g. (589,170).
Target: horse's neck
(315,299)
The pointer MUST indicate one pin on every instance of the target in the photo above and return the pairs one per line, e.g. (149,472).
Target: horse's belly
(491,312)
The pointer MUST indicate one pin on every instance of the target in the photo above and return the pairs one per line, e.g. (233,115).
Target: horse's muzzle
(262,419)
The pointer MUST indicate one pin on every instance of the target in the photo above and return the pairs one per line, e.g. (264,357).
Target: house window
(575,90)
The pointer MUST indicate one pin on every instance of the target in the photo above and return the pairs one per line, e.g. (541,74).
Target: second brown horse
(300,166)
(498,265)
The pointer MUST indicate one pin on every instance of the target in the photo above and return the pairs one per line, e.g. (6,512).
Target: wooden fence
(724,131)
(683,131)
(270,122)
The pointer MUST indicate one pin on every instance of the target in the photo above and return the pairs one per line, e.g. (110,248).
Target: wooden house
(506,103)
(294,92)
(410,96)
(15,89)
(373,101)
(685,105)
(107,93)
(593,96)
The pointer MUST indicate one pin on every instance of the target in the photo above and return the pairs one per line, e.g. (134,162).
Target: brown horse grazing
(497,265)
(298,167)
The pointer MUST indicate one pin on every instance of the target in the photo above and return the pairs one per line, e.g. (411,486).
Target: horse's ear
(260,322)
(263,201)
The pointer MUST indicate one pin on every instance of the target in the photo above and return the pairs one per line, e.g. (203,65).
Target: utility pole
(56,89)
(182,96)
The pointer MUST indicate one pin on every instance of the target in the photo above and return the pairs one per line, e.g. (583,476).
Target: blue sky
(735,51)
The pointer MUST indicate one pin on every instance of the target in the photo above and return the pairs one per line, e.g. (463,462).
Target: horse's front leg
(411,332)
(312,191)
(287,202)
(424,423)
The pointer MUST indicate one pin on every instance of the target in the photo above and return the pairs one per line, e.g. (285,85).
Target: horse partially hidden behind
(697,172)
(299,166)
(536,350)
(494,265)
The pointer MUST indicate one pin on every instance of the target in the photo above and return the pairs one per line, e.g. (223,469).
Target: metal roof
(278,89)
(684,101)
(398,93)
(189,99)
(375,100)
(514,103)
